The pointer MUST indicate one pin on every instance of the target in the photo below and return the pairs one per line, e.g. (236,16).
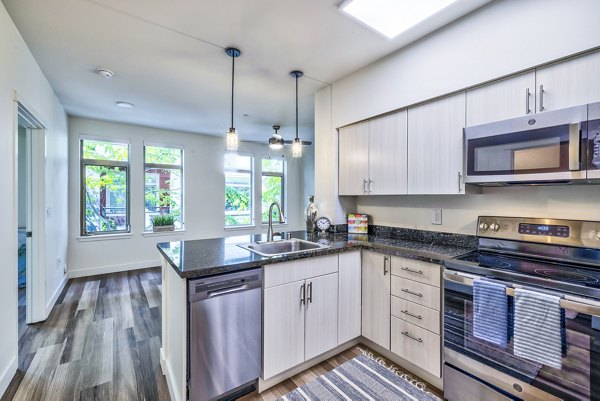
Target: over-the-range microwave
(555,147)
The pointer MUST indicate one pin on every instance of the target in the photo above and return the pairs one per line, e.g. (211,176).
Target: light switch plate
(436,216)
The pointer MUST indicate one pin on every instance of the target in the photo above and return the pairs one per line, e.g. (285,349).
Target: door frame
(35,273)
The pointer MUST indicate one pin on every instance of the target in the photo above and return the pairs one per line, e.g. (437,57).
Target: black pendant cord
(232,86)
(296,107)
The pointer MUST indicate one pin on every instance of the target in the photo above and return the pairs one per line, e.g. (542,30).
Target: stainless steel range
(559,259)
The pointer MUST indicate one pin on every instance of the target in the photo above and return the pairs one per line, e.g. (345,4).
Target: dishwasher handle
(229,290)
(213,287)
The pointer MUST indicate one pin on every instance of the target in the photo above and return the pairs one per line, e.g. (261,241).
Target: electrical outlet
(436,216)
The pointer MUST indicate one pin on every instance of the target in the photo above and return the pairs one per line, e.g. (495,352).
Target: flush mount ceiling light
(126,105)
(392,17)
(297,144)
(105,73)
(232,135)
(276,141)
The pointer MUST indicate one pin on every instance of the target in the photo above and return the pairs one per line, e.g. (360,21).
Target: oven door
(536,149)
(499,368)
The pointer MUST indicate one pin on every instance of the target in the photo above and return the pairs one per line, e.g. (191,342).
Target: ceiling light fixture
(232,135)
(297,144)
(105,73)
(276,141)
(392,17)
(126,105)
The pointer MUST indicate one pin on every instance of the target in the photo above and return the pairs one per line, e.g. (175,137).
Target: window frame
(283,189)
(164,166)
(252,189)
(109,164)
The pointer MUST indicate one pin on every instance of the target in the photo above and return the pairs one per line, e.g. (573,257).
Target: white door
(320,335)
(349,297)
(435,146)
(283,336)
(388,155)
(353,163)
(501,100)
(376,298)
(569,83)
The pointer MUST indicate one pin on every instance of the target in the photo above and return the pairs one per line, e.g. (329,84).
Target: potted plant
(163,223)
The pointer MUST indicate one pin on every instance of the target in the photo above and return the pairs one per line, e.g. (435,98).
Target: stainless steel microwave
(555,147)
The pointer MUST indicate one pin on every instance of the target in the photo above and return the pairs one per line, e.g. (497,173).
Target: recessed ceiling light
(126,105)
(392,17)
(104,72)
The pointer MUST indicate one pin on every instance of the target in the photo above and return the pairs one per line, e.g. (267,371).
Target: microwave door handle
(574,147)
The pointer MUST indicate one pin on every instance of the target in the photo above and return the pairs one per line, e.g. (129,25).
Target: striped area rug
(361,378)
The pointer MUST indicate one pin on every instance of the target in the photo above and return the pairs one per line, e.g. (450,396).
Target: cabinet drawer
(422,294)
(416,314)
(416,345)
(416,270)
(288,272)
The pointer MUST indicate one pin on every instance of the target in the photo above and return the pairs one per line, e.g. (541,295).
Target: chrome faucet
(281,221)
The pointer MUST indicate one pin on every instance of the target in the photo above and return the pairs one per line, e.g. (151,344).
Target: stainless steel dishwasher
(225,339)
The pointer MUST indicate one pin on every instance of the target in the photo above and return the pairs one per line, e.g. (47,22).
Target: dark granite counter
(202,258)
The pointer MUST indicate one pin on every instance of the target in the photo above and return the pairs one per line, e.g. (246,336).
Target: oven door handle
(574,146)
(575,304)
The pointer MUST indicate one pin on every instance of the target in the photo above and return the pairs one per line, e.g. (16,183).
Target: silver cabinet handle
(412,314)
(459,181)
(527,96)
(385,269)
(406,269)
(365,185)
(309,298)
(410,336)
(574,146)
(303,294)
(370,186)
(541,97)
(418,294)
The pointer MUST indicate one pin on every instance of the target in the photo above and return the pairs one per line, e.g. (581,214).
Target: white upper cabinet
(435,146)
(353,166)
(388,154)
(568,83)
(501,100)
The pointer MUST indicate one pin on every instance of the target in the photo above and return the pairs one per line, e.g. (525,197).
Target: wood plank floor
(102,341)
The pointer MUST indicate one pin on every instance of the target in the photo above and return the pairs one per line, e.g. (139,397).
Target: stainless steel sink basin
(285,247)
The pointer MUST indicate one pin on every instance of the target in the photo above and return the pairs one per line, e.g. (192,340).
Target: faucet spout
(281,221)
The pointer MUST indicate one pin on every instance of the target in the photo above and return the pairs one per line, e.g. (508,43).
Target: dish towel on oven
(539,327)
(490,312)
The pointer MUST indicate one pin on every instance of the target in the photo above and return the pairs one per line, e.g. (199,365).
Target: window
(273,187)
(238,190)
(104,187)
(163,188)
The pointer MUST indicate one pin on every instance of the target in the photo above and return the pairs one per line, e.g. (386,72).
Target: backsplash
(461,240)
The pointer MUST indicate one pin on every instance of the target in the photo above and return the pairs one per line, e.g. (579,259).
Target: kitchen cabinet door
(435,146)
(388,155)
(569,83)
(283,337)
(353,161)
(321,315)
(376,298)
(501,100)
(349,297)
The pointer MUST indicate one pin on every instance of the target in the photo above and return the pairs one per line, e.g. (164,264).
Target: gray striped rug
(361,378)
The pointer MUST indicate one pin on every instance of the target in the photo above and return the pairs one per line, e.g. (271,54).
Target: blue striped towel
(490,312)
(539,327)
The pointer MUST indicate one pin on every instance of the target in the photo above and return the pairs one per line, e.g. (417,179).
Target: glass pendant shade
(232,140)
(297,148)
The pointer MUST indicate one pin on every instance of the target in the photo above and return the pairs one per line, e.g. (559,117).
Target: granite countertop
(207,257)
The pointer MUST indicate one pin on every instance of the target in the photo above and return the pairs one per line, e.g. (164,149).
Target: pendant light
(297,144)
(276,141)
(232,135)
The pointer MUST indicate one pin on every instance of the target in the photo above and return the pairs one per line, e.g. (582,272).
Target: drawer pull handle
(412,314)
(414,338)
(406,269)
(418,294)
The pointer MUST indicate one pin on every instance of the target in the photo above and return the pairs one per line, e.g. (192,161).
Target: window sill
(265,225)
(241,228)
(103,237)
(162,233)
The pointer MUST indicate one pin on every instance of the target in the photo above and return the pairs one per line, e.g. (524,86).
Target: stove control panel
(544,229)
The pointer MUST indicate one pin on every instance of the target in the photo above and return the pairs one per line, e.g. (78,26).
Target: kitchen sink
(284,247)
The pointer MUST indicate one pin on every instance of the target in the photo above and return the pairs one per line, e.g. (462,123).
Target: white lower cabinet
(376,298)
(320,334)
(349,297)
(417,345)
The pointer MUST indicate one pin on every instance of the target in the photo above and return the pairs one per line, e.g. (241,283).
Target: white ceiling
(169,61)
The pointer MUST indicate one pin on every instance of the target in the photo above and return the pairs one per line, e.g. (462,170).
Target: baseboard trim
(8,375)
(57,293)
(168,373)
(94,271)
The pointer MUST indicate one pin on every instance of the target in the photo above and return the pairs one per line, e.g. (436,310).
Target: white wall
(203,196)
(502,38)
(19,72)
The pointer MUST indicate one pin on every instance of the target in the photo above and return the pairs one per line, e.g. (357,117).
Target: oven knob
(494,227)
(483,226)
